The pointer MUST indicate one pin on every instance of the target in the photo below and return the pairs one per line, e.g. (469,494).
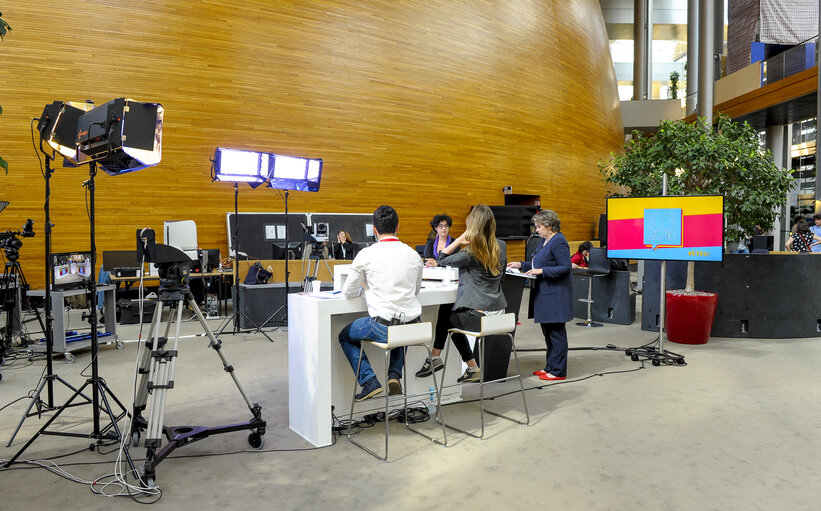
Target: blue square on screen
(662,227)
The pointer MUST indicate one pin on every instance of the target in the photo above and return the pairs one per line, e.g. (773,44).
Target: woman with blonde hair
(481,262)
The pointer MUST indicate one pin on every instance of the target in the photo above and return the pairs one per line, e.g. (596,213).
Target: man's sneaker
(394,387)
(469,376)
(428,368)
(369,389)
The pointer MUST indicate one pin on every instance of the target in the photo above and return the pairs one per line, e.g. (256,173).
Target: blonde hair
(481,233)
(347,236)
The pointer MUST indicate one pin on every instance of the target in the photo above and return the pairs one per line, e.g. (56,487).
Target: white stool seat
(399,337)
(499,324)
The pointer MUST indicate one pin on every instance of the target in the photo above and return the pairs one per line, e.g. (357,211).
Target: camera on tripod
(10,243)
(173,265)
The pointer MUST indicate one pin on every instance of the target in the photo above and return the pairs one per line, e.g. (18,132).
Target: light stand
(50,377)
(284,305)
(100,390)
(235,314)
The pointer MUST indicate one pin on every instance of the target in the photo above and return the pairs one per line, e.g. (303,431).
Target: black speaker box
(763,242)
(260,304)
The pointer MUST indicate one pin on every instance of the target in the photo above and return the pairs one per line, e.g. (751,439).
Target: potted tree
(699,159)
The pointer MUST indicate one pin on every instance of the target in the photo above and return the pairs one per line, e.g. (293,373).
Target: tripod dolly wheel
(2,360)
(256,441)
(135,438)
(656,362)
(634,358)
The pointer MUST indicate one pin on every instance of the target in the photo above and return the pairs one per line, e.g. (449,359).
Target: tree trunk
(691,277)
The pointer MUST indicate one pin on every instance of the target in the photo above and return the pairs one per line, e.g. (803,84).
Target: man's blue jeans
(351,340)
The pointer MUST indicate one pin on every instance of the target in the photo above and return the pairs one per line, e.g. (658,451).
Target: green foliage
(674,76)
(704,160)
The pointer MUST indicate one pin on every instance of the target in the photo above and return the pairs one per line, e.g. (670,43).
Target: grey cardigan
(478,289)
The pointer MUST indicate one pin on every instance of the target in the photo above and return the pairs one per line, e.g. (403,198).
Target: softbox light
(58,126)
(122,135)
(241,166)
(290,173)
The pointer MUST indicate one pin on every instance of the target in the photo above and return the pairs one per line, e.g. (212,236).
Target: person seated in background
(582,256)
(390,273)
(344,247)
(441,225)
(802,240)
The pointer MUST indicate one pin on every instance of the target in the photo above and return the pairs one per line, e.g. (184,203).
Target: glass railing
(796,59)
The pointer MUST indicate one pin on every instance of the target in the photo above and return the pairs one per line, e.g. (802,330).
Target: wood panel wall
(428,105)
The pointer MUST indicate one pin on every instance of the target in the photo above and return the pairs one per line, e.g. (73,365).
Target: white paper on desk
(517,273)
(326,295)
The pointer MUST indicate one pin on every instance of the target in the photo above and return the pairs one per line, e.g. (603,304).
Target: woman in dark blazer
(344,247)
(552,296)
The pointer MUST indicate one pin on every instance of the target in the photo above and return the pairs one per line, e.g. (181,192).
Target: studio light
(241,166)
(121,136)
(301,174)
(58,126)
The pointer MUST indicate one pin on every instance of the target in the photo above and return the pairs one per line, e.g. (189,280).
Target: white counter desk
(319,375)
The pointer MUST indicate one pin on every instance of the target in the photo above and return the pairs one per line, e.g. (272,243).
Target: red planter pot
(689,318)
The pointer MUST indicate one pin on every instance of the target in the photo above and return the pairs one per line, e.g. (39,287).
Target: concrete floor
(736,428)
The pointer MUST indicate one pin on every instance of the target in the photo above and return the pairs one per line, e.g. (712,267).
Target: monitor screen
(120,259)
(666,228)
(71,269)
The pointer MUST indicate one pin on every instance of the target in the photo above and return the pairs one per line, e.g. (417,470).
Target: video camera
(173,265)
(10,242)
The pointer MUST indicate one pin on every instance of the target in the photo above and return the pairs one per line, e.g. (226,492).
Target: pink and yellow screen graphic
(666,228)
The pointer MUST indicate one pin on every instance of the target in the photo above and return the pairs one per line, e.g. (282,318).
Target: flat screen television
(71,270)
(666,228)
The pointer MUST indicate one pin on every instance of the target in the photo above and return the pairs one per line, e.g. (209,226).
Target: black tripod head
(172,264)
(10,243)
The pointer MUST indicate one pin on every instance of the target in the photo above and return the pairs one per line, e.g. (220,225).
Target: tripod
(235,314)
(157,377)
(284,305)
(50,377)
(99,389)
(316,254)
(11,287)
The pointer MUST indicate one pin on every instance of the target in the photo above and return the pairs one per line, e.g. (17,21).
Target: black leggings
(465,319)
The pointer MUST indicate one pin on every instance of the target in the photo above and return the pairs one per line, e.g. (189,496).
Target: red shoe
(540,372)
(547,376)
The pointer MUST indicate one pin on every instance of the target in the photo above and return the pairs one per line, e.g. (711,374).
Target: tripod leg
(35,398)
(138,422)
(256,410)
(161,378)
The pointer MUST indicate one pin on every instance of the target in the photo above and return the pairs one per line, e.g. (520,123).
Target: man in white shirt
(390,273)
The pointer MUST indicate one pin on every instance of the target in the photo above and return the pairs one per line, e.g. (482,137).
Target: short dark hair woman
(552,296)
(441,225)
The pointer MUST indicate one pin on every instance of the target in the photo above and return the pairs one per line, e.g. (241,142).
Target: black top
(350,248)
(429,248)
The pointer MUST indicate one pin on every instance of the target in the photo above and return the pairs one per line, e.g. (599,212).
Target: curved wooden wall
(428,105)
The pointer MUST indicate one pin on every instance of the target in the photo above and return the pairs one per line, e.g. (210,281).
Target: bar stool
(399,337)
(599,267)
(502,324)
